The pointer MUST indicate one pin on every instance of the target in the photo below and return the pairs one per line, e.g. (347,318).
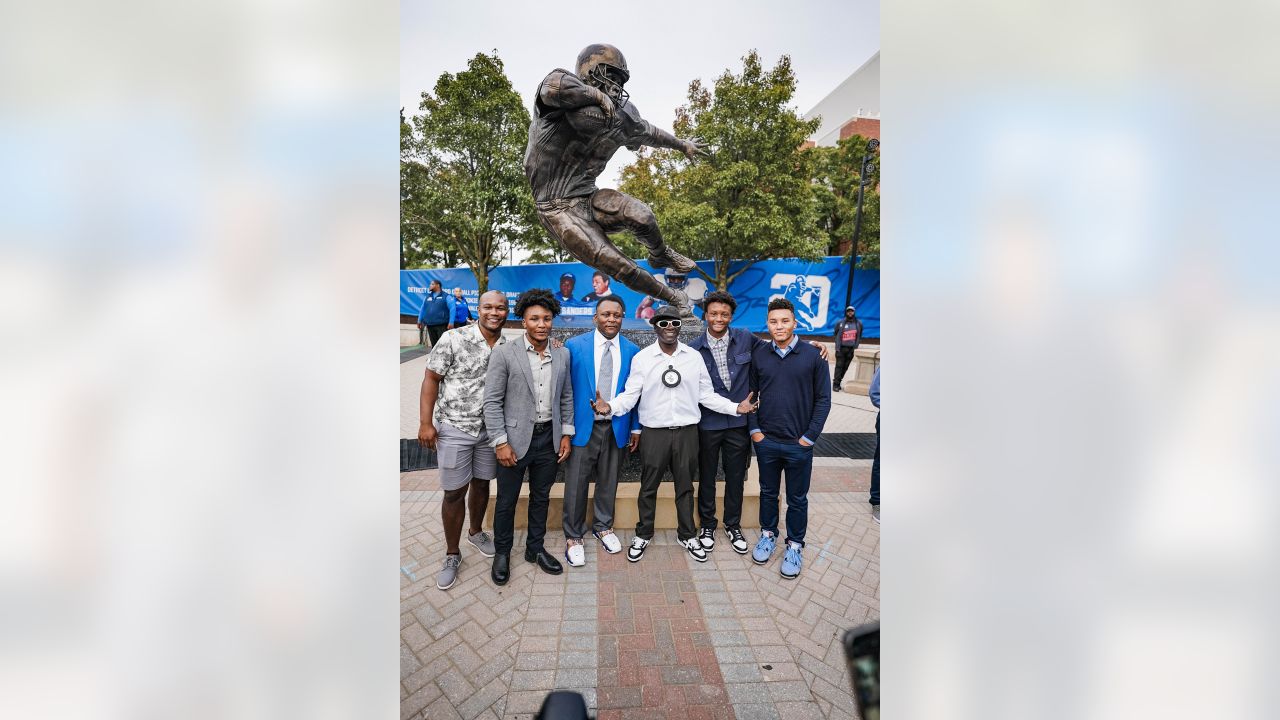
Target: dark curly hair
(782,304)
(537,296)
(720,296)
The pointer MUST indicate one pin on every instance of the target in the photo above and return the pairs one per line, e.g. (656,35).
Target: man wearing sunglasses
(667,382)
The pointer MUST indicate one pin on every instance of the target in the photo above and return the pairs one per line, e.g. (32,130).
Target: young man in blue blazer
(599,362)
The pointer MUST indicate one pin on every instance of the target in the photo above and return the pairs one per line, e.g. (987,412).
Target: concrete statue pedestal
(866,360)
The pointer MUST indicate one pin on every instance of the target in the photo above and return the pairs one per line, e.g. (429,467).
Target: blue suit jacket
(741,343)
(582,373)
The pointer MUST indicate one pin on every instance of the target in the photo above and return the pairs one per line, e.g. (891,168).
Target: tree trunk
(482,278)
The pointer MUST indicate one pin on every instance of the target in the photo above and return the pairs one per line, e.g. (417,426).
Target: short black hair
(720,296)
(436,282)
(612,298)
(782,304)
(600,275)
(537,296)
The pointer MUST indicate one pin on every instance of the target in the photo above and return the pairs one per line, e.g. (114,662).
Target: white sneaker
(636,551)
(695,549)
(708,538)
(610,541)
(576,554)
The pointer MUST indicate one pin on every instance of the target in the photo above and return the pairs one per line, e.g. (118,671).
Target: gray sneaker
(484,543)
(449,573)
(875,512)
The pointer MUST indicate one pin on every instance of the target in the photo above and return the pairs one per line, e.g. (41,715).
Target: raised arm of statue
(657,137)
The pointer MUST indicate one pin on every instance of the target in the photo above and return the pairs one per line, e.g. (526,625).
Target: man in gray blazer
(528,413)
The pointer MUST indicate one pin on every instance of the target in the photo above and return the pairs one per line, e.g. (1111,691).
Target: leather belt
(541,427)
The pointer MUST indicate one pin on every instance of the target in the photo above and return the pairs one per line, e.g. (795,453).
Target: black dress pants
(662,449)
(540,462)
(733,447)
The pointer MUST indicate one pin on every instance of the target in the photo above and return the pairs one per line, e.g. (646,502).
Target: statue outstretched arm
(657,137)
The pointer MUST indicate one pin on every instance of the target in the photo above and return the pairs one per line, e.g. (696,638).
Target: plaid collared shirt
(720,353)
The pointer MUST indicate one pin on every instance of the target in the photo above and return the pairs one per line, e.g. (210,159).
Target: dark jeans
(875,467)
(733,446)
(435,331)
(797,461)
(540,461)
(843,357)
(662,449)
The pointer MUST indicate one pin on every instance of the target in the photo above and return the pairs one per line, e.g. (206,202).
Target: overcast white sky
(667,45)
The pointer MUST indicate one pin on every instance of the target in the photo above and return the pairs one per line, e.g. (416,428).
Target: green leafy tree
(463,190)
(752,198)
(837,171)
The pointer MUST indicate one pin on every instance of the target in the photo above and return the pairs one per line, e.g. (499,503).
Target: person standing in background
(436,314)
(461,312)
(874,392)
(848,335)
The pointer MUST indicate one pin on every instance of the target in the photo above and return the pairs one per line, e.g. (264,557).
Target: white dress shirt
(667,407)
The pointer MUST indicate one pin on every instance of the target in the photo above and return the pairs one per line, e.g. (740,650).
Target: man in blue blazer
(599,362)
(727,354)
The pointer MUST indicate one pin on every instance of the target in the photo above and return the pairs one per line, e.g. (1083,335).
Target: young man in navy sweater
(793,384)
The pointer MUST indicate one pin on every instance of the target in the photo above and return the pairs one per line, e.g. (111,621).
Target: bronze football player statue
(579,122)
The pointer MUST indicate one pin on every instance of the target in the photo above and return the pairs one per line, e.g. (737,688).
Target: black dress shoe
(501,568)
(545,561)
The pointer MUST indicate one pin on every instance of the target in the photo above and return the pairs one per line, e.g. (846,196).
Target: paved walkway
(665,637)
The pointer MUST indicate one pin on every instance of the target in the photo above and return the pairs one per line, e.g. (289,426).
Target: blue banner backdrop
(817,290)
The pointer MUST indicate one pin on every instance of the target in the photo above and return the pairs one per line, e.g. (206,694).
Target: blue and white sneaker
(792,560)
(764,548)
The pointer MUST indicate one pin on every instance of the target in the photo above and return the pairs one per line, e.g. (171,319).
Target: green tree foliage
(463,191)
(837,171)
(752,198)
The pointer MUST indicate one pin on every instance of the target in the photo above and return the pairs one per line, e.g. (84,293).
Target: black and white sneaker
(736,541)
(636,551)
(695,549)
(707,538)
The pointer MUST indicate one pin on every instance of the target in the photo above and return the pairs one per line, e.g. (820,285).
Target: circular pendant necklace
(670,377)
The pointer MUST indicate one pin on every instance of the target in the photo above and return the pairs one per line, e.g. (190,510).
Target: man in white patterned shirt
(451,422)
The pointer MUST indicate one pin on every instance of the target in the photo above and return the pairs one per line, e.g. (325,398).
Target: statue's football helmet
(604,67)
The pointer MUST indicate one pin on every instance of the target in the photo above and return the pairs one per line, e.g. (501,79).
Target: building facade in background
(852,108)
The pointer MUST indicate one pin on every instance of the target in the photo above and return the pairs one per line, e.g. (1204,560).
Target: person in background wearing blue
(567,282)
(874,392)
(437,312)
(794,386)
(461,312)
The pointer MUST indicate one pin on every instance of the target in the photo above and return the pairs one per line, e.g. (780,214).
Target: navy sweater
(794,392)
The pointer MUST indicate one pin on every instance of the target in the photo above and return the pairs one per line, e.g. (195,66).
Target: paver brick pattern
(664,637)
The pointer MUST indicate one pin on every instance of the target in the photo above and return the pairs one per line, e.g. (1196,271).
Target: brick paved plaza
(664,637)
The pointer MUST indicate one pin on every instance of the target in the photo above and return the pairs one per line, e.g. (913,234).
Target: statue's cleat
(669,258)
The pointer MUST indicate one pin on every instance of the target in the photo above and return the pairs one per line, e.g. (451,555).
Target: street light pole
(864,179)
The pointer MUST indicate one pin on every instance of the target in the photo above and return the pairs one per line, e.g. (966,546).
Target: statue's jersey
(569,148)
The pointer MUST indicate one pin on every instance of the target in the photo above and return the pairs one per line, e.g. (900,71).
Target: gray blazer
(509,407)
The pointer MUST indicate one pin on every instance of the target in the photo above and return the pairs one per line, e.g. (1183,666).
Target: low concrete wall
(408,335)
